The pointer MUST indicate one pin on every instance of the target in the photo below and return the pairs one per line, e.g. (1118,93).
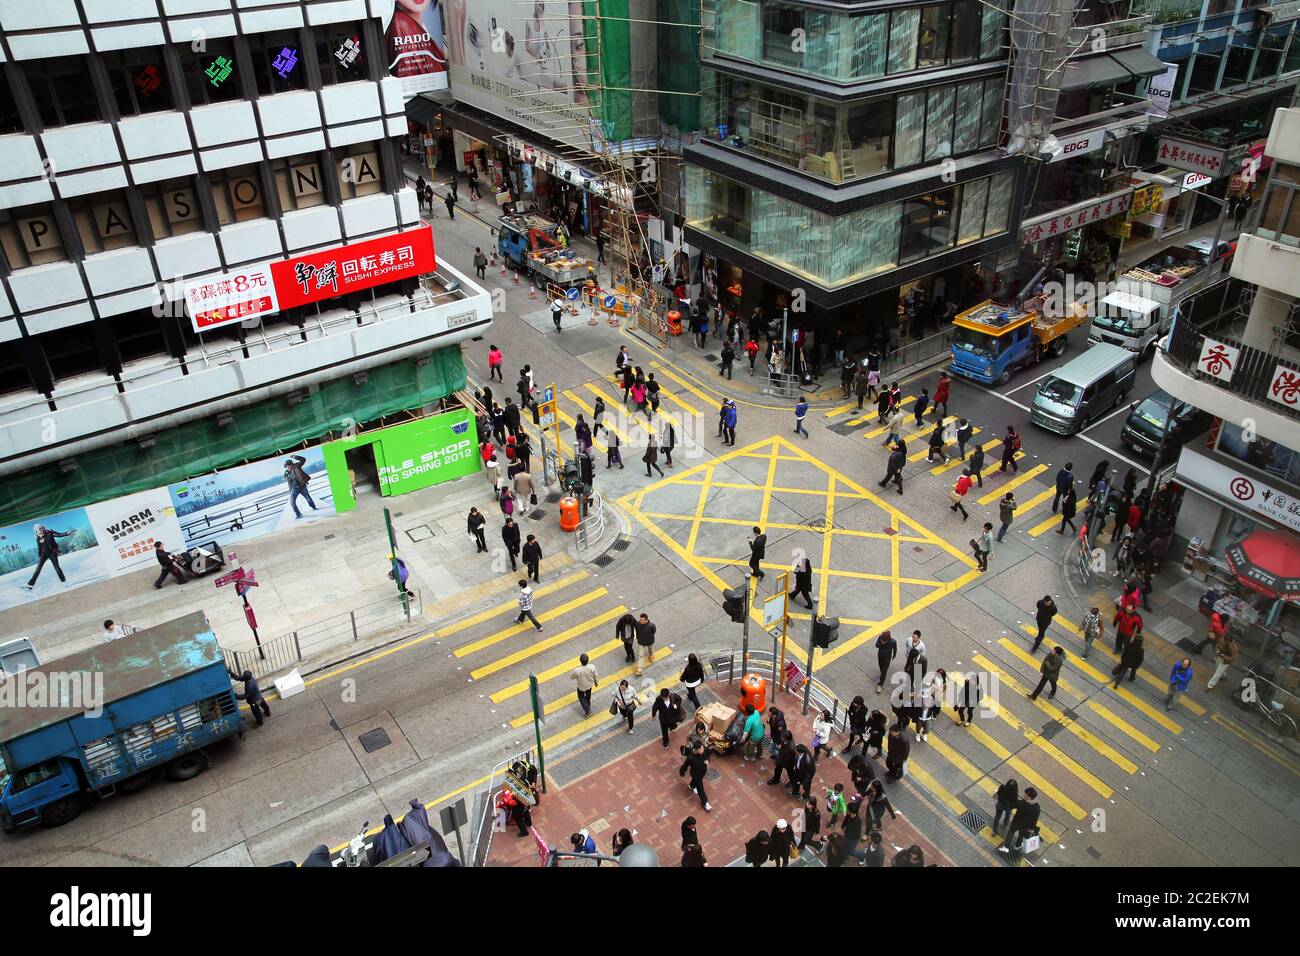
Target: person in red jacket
(1128,624)
(941,395)
(958,494)
(1218,630)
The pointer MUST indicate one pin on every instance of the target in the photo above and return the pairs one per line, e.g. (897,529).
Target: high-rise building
(848,163)
(208,245)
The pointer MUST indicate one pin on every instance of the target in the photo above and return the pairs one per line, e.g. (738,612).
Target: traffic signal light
(826,631)
(733,602)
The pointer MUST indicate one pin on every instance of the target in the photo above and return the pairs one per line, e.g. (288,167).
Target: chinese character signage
(1193,157)
(219,70)
(344,269)
(1285,389)
(1218,360)
(285,61)
(1148,199)
(1243,491)
(221,299)
(1074,217)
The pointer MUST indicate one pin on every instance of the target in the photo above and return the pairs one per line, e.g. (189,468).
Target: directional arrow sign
(235,575)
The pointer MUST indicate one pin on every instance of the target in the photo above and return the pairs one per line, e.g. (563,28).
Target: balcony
(1228,313)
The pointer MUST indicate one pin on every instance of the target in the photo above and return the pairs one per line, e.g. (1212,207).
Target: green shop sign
(408,457)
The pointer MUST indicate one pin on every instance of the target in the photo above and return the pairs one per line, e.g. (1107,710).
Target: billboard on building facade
(127,528)
(526,62)
(48,555)
(414,41)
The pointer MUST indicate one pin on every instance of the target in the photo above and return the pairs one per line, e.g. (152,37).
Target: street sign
(453,816)
(773,609)
(572,294)
(609,301)
(546,414)
(548,395)
(230,577)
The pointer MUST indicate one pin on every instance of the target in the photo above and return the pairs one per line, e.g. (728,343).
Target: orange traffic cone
(532,292)
(515,281)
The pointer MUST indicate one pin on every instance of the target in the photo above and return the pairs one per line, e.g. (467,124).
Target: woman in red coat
(941,395)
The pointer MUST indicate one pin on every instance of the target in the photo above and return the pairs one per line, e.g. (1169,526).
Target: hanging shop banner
(360,265)
(48,556)
(251,500)
(1148,199)
(408,457)
(224,298)
(1079,144)
(413,37)
(1193,157)
(1061,221)
(127,528)
(1160,92)
(1285,387)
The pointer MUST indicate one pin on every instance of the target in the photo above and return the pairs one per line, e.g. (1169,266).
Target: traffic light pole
(812,631)
(785,630)
(744,645)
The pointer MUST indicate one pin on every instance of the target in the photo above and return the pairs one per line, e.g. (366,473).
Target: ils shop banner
(408,457)
(413,37)
(66,551)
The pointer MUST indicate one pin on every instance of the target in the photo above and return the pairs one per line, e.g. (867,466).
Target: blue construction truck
(532,245)
(109,719)
(991,341)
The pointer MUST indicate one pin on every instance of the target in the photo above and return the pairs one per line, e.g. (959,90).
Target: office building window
(211,75)
(359,170)
(966,30)
(938,123)
(173,207)
(299,182)
(140,83)
(10,120)
(903,37)
(339,50)
(237,194)
(932,44)
(927,227)
(61,88)
(30,237)
(103,221)
(993,27)
(992,123)
(1001,188)
(277,61)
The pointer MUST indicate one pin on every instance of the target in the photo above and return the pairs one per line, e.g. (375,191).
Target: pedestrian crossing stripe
(1045,787)
(590,412)
(646,425)
(842,409)
(1072,724)
(883,429)
(1055,520)
(958,463)
(559,670)
(710,399)
(1048,748)
(1014,483)
(926,451)
(527,625)
(1024,507)
(1144,676)
(564,700)
(1087,669)
(474,619)
(555,640)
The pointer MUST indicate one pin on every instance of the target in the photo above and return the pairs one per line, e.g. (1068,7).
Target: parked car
(1226,248)
(1146,423)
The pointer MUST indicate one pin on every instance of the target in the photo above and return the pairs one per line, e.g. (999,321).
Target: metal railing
(1215,313)
(919,352)
(481,836)
(348,627)
(781,384)
(591,529)
(820,697)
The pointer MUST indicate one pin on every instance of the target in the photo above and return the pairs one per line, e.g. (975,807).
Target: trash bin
(569,513)
(674,323)
(753,692)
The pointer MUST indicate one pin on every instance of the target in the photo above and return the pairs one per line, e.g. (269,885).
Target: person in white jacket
(822,727)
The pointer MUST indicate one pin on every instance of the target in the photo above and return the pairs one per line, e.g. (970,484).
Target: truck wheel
(1058,347)
(62,811)
(1004,377)
(186,767)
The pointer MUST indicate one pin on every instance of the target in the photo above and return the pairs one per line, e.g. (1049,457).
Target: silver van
(1084,388)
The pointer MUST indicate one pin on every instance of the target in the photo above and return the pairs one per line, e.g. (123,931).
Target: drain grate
(1051,729)
(622,544)
(1094,853)
(711,357)
(373,740)
(329,537)
(553,497)
(604,561)
(537,514)
(974,820)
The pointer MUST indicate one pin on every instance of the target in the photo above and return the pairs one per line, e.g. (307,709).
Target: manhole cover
(710,357)
(537,514)
(421,532)
(974,820)
(622,544)
(373,740)
(603,561)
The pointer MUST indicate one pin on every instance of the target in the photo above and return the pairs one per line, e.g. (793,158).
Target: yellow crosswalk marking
(540,647)
(709,399)
(958,462)
(1038,780)
(1024,507)
(1015,482)
(526,625)
(883,429)
(549,588)
(611,415)
(1052,751)
(1054,521)
(831,413)
(1144,676)
(925,435)
(936,789)
(559,670)
(1086,668)
(564,700)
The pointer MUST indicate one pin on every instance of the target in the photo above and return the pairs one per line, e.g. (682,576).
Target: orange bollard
(753,690)
(570,514)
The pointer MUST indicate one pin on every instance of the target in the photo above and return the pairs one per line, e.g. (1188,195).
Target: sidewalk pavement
(313,572)
(612,783)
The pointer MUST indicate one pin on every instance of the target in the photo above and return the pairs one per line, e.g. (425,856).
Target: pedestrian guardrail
(481,836)
(919,352)
(781,385)
(347,627)
(591,529)
(820,697)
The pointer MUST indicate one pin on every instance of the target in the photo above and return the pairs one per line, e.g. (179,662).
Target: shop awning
(421,109)
(1140,62)
(1102,70)
(1268,562)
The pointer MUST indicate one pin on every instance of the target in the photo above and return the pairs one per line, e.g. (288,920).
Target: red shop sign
(360,265)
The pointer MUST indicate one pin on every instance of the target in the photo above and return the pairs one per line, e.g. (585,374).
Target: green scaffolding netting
(257,431)
(679,67)
(609,62)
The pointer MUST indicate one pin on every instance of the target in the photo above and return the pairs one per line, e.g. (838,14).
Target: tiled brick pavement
(641,790)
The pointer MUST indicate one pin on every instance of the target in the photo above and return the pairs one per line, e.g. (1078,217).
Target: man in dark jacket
(757,551)
(47,549)
(510,537)
(781,842)
(668,711)
(803,580)
(297,480)
(728,357)
(898,751)
(252,695)
(511,416)
(625,631)
(886,650)
(697,762)
(1023,823)
(532,555)
(758,849)
(1064,482)
(977,464)
(1045,610)
(1051,671)
(169,563)
(894,470)
(803,772)
(645,644)
(784,759)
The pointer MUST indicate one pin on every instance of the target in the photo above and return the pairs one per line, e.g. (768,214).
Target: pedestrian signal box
(733,602)
(826,631)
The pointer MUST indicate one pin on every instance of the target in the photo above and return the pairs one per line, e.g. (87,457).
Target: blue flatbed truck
(165,695)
